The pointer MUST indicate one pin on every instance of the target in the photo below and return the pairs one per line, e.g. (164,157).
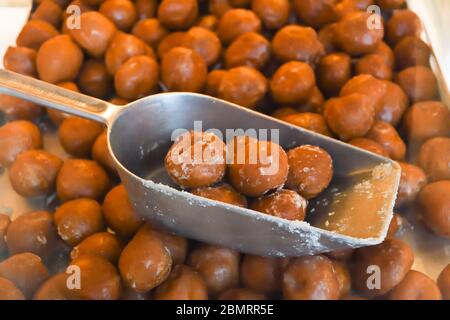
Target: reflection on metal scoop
(354,211)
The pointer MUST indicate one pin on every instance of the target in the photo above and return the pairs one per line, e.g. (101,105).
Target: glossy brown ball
(393,104)
(213,80)
(34,33)
(434,158)
(121,12)
(244,86)
(119,213)
(443,282)
(311,121)
(145,262)
(183,283)
(182,69)
(171,40)
(101,153)
(310,170)
(16,137)
(374,65)
(94,79)
(219,7)
(292,83)
(9,291)
(412,180)
(350,116)
(54,288)
(14,108)
(80,178)
(419,83)
(249,49)
(262,274)
(394,259)
(299,43)
(223,193)
(209,22)
(151,31)
(205,42)
(416,286)
(285,204)
(236,22)
(367,85)
(178,14)
(146,8)
(333,71)
(310,278)
(49,11)
(369,145)
(343,276)
(177,246)
(34,173)
(387,136)
(316,13)
(95,33)
(434,199)
(77,219)
(21,60)
(402,23)
(411,51)
(218,266)
(59,59)
(77,135)
(274,14)
(103,244)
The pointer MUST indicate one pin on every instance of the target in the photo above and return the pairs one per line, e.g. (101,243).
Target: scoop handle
(49,95)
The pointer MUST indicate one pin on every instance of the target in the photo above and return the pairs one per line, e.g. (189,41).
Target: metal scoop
(354,211)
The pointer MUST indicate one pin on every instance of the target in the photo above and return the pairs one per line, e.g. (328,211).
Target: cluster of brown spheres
(312,63)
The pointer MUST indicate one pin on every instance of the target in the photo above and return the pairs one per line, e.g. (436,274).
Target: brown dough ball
(101,154)
(137,77)
(387,53)
(209,22)
(32,232)
(310,278)
(103,244)
(178,14)
(183,283)
(176,245)
(350,116)
(235,22)
(16,137)
(369,145)
(213,81)
(77,135)
(256,167)
(223,193)
(316,13)
(145,262)
(310,170)
(151,31)
(434,200)
(274,14)
(443,282)
(48,11)
(315,102)
(310,121)
(34,33)
(77,219)
(411,51)
(333,71)
(386,135)
(392,105)
(434,158)
(244,86)
(426,120)
(219,7)
(218,266)
(99,279)
(172,40)
(146,8)
(182,69)
(394,259)
(412,180)
(354,36)
(284,112)
(4,224)
(374,65)
(80,178)
(343,276)
(55,288)
(262,274)
(121,12)
(95,33)
(94,79)
(292,83)
(9,291)
(327,37)
(196,159)
(34,172)
(367,85)
(249,49)
(297,43)
(25,270)
(122,47)
(119,213)
(419,83)
(69,17)
(401,24)
(21,60)
(285,204)
(18,109)
(205,43)
(416,286)
(240,294)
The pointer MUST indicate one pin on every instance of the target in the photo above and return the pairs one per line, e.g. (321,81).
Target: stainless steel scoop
(354,211)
